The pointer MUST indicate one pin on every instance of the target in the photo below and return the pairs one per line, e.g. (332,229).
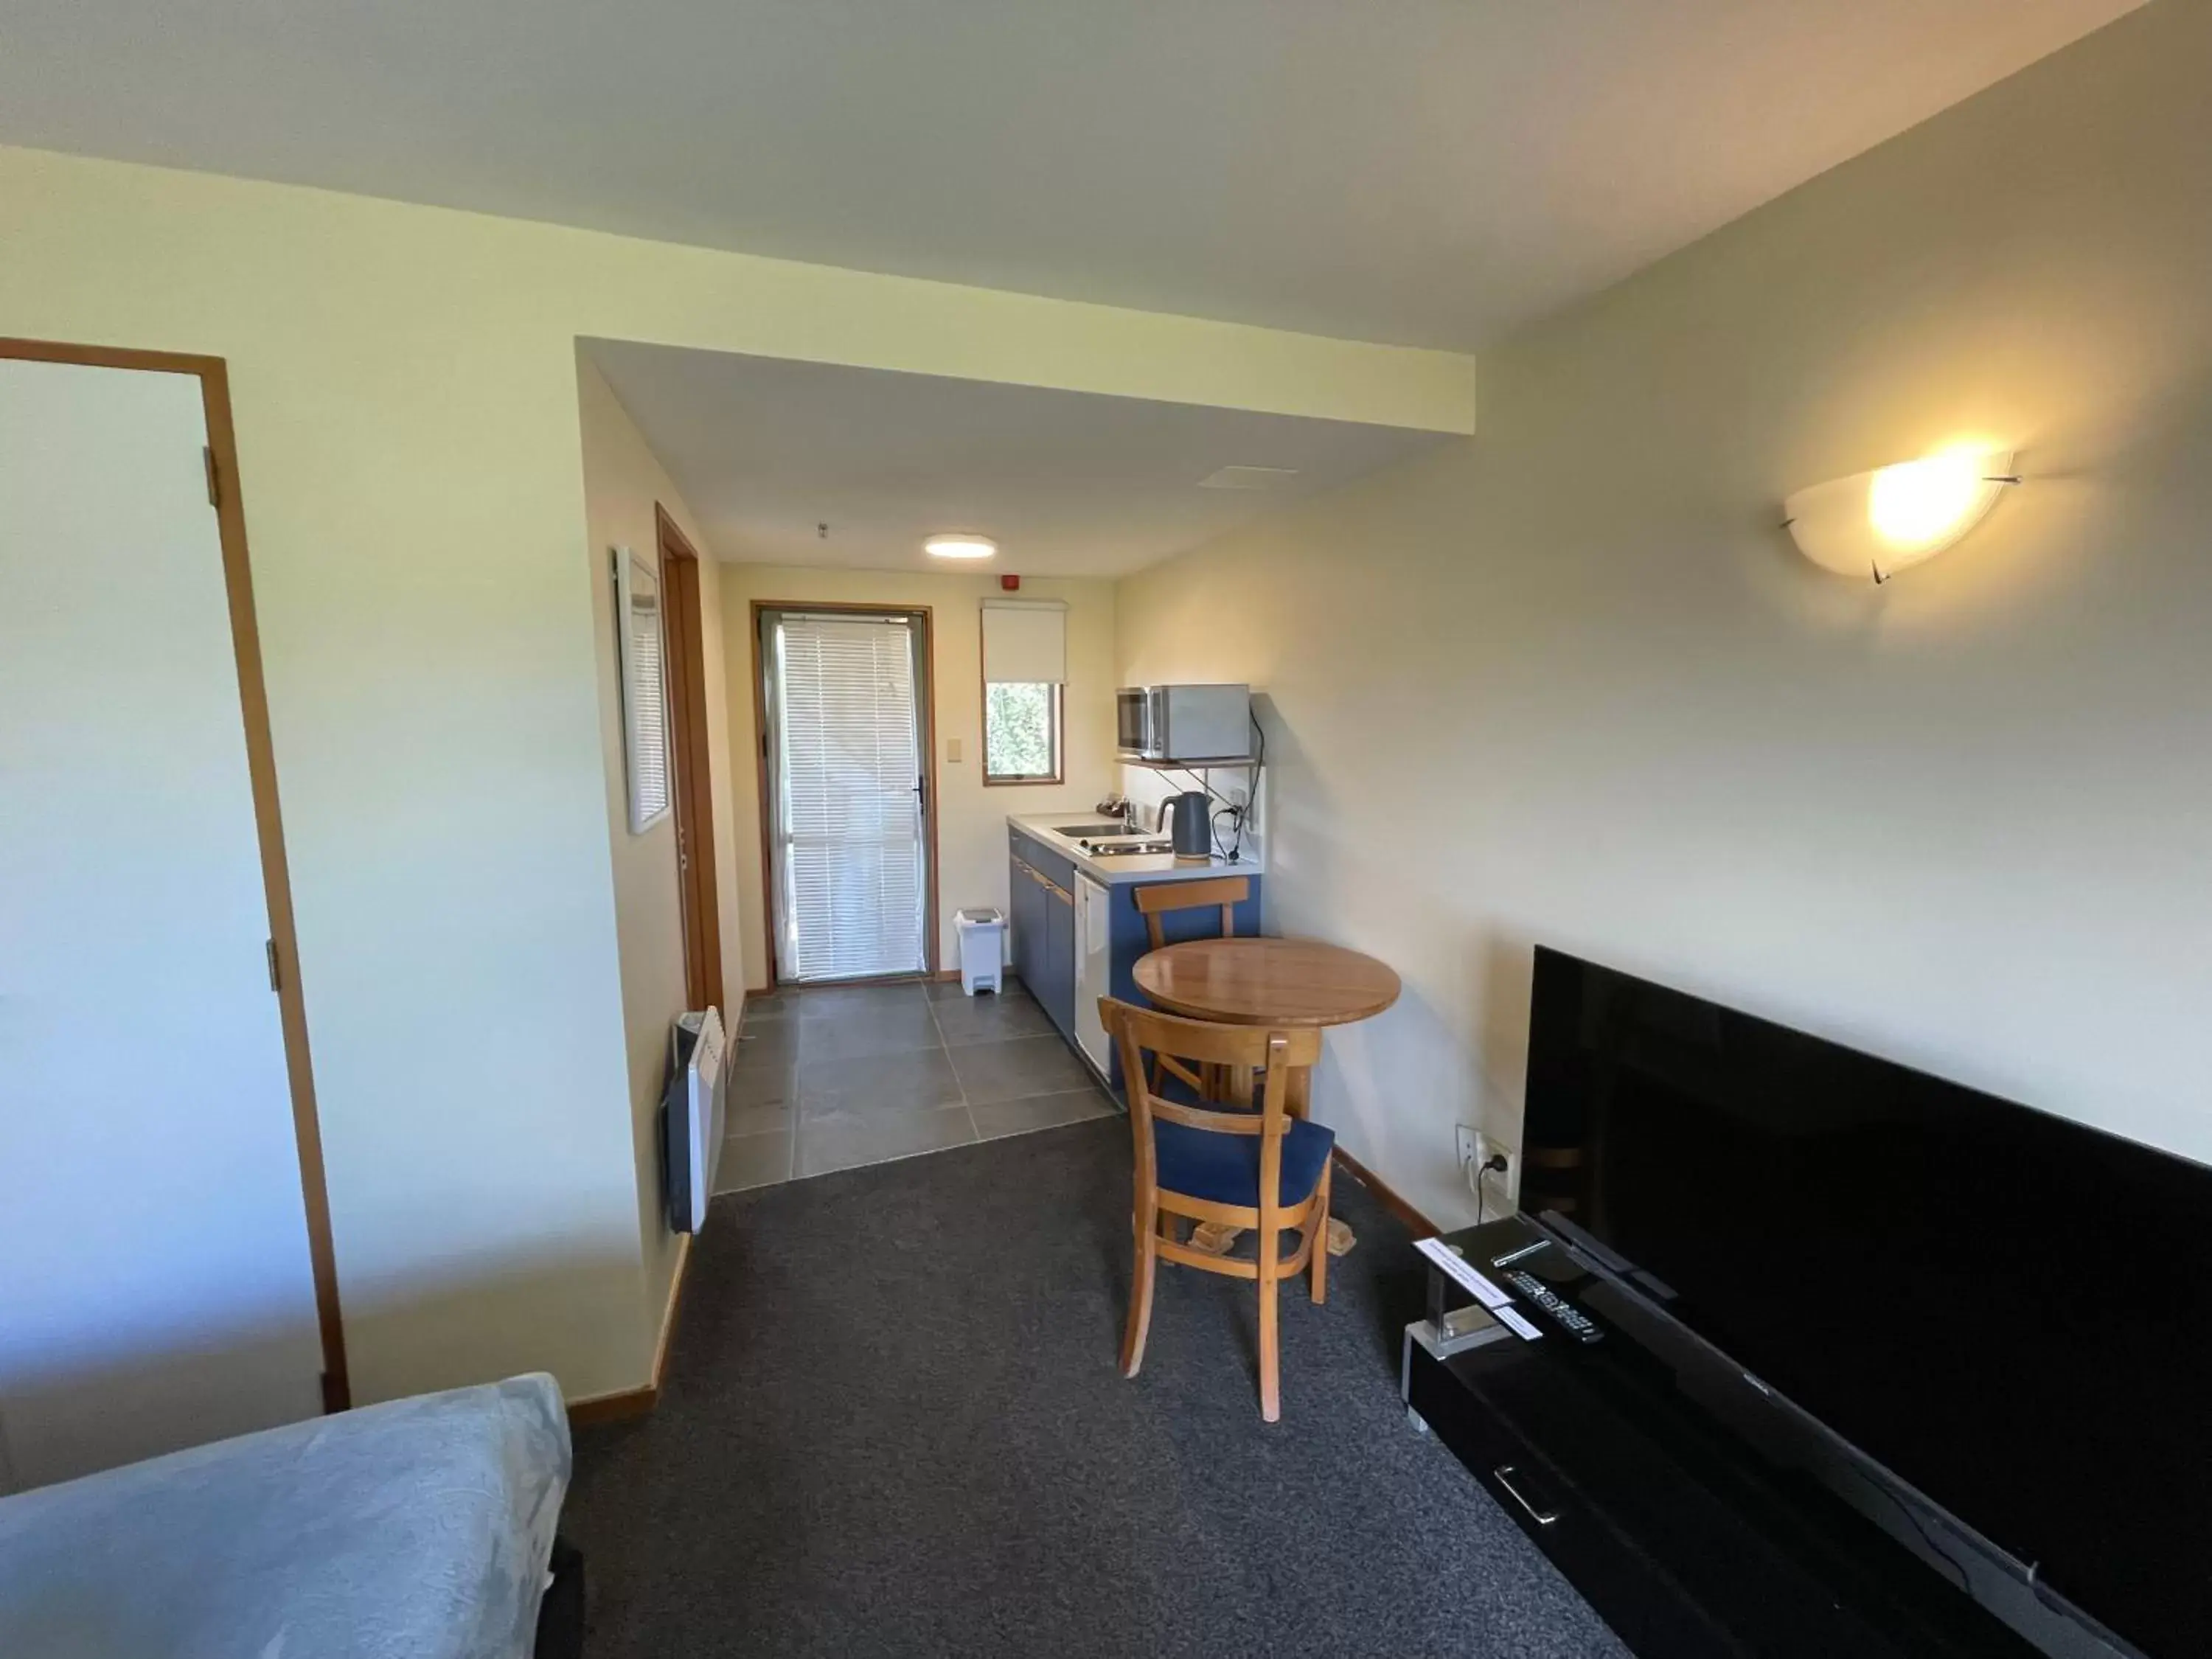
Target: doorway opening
(848,816)
(694,800)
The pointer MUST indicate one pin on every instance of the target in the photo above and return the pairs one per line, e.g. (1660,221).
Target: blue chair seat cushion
(1225,1169)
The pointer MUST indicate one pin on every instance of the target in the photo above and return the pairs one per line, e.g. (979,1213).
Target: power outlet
(1470,1143)
(1487,1147)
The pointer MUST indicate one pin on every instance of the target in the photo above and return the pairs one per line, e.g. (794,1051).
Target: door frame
(932,800)
(214,376)
(696,895)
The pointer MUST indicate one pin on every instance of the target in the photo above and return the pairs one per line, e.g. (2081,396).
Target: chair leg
(1271,1404)
(1140,1294)
(1318,1239)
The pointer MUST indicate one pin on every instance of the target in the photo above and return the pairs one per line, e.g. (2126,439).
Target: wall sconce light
(1894,517)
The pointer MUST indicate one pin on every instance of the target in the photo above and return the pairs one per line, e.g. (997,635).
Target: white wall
(971,826)
(1567,682)
(624,483)
(404,384)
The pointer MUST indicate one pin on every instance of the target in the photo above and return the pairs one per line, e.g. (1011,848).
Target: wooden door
(694,800)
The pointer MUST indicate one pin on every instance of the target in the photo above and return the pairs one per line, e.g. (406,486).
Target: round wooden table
(1273,982)
(1267,982)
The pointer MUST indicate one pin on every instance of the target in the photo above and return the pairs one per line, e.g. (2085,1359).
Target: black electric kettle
(1187,820)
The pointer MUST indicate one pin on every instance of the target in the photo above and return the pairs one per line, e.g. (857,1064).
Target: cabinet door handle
(1504,1475)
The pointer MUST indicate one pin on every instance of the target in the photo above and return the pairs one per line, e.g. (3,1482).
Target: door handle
(1503,1475)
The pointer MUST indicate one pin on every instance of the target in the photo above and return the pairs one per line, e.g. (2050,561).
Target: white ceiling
(1069,483)
(1426,171)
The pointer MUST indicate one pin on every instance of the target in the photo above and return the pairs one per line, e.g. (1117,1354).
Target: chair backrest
(1161,897)
(1212,1047)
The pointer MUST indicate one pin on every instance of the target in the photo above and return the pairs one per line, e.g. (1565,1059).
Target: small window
(1021,732)
(1024,667)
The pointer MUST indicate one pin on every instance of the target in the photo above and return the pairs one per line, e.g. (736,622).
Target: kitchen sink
(1128,849)
(1082,831)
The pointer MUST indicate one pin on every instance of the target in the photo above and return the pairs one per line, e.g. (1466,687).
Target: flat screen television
(1996,1323)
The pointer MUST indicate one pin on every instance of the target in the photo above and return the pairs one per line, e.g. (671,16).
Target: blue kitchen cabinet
(1040,885)
(1024,917)
(1041,898)
(1131,939)
(1056,990)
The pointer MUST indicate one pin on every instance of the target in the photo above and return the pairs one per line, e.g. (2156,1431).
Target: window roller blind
(1024,643)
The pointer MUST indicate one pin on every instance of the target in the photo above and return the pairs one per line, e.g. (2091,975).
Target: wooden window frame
(1059,742)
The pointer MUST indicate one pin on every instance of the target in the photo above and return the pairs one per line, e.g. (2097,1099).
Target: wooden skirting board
(636,1402)
(1419,1225)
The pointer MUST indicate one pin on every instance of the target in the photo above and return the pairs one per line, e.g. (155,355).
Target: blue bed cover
(417,1529)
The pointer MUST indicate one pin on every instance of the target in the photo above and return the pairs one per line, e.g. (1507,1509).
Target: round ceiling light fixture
(959,544)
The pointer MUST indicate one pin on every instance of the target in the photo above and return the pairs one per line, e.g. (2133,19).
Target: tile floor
(835,1077)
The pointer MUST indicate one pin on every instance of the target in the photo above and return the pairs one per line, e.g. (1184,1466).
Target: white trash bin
(982,948)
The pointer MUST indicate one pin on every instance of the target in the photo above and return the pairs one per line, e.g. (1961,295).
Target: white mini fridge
(1094,957)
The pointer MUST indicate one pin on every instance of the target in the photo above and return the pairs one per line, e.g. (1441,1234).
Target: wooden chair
(1263,1170)
(1161,897)
(1158,900)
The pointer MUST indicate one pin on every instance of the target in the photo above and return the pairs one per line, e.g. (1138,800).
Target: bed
(423,1528)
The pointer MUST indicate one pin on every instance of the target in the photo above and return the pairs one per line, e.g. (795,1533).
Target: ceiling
(1069,483)
(1432,171)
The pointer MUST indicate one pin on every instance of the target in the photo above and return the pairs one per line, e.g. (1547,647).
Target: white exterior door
(153,1235)
(851,853)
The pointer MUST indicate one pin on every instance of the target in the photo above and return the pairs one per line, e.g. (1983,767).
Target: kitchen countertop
(1147,866)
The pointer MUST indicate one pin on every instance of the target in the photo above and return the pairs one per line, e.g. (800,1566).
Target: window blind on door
(849,771)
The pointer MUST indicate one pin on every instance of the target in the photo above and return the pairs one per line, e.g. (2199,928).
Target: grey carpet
(893,1425)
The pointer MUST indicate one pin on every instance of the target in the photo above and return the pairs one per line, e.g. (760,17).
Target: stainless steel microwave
(1184,723)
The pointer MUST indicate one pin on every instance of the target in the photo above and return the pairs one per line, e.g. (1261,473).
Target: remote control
(1560,1311)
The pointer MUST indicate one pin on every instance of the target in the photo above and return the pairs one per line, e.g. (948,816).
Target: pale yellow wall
(1569,683)
(405,385)
(972,818)
(624,483)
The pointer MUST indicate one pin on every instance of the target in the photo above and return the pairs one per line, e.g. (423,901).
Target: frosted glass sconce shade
(1876,524)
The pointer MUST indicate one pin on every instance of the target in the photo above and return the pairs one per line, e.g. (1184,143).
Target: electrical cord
(1913,1519)
(1497,1161)
(1259,766)
(1205,787)
(1236,812)
(1236,816)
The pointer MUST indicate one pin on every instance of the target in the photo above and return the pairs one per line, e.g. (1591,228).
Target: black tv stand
(1682,1537)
